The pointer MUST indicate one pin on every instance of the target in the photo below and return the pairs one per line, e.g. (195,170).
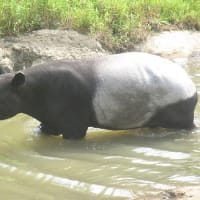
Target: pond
(105,165)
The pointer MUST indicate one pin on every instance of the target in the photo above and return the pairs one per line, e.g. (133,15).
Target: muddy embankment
(17,53)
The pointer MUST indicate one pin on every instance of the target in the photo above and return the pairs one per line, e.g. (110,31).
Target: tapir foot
(48,130)
(75,133)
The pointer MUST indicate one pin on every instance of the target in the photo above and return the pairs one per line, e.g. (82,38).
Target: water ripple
(161,153)
(95,189)
(188,179)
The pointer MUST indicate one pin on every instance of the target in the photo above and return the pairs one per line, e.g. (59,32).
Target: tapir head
(10,103)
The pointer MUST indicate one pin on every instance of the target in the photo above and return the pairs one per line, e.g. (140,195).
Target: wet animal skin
(122,91)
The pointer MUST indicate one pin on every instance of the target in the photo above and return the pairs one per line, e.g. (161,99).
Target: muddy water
(105,165)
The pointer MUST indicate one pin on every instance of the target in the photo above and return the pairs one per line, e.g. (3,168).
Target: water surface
(105,165)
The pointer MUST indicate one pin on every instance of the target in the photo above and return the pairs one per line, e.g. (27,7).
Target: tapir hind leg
(178,115)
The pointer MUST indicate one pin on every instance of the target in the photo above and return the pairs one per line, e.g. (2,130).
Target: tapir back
(132,87)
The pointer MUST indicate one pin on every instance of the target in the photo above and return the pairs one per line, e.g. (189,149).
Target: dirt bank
(182,47)
(20,52)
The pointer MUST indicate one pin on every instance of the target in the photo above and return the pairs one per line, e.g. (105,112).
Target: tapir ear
(18,79)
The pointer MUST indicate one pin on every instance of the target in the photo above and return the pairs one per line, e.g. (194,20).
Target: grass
(118,24)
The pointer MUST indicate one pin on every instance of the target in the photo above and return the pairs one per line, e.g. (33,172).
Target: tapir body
(122,91)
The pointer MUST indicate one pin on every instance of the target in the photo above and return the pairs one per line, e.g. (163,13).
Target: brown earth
(17,53)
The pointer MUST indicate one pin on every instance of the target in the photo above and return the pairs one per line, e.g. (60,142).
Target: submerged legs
(68,132)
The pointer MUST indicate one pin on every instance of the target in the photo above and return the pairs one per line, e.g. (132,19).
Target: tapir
(117,92)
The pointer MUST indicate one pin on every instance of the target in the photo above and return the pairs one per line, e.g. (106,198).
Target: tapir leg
(178,115)
(75,132)
(47,129)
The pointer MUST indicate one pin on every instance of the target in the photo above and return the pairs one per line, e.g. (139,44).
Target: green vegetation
(116,23)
